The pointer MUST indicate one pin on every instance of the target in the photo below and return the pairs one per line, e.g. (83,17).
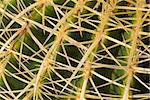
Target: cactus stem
(131,59)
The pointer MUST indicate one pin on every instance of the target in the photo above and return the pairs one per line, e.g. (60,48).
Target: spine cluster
(74,49)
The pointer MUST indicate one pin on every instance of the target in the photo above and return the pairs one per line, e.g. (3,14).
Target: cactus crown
(74,49)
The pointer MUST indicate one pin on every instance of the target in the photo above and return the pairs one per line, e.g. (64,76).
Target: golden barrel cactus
(74,49)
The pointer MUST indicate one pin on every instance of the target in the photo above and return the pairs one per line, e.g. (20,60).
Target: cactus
(74,49)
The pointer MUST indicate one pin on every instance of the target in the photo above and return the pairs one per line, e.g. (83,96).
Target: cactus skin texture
(74,49)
